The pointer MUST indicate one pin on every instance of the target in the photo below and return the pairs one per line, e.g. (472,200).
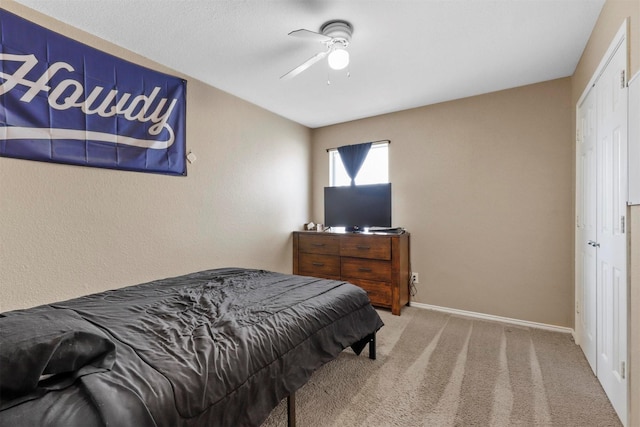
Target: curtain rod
(373,142)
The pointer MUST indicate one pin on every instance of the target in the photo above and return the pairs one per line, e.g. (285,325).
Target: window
(375,169)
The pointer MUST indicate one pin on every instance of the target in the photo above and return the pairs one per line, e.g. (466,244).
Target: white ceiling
(404,53)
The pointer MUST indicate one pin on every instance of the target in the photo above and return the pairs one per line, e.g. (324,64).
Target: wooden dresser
(378,263)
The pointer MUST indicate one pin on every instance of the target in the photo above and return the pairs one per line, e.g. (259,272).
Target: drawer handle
(318,264)
(362,247)
(365,269)
(319,245)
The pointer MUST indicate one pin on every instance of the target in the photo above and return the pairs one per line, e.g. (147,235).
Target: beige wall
(484,186)
(609,22)
(67,230)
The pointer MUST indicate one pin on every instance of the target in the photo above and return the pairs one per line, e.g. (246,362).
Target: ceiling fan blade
(306,64)
(310,35)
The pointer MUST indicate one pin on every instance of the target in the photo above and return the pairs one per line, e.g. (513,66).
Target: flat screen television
(358,207)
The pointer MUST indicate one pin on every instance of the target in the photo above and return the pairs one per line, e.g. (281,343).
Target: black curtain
(352,157)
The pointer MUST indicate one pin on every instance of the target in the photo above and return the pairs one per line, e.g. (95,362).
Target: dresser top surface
(353,234)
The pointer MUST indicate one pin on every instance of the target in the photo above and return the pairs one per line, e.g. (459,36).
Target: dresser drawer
(319,244)
(379,292)
(373,247)
(327,266)
(367,269)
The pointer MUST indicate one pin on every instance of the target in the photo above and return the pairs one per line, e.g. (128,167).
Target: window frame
(334,157)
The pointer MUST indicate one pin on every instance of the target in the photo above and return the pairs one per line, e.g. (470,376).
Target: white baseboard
(483,316)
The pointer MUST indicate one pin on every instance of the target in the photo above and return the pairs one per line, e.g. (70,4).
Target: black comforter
(215,348)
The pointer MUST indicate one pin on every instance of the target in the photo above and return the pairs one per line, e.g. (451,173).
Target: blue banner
(64,102)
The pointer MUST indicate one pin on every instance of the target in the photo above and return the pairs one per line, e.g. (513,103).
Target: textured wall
(68,230)
(484,185)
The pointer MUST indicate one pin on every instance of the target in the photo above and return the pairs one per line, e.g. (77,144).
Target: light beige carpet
(435,369)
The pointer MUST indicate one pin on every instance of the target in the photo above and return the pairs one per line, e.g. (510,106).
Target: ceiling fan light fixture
(336,36)
(338,59)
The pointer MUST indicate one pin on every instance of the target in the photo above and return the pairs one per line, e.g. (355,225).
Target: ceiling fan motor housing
(339,31)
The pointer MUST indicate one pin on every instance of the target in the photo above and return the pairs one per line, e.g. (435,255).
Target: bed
(214,348)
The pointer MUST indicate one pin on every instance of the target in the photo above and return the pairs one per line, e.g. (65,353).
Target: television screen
(357,207)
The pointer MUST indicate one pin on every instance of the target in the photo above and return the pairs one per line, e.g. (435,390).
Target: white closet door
(587,251)
(611,151)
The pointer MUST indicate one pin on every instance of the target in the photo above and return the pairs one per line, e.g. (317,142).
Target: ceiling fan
(335,35)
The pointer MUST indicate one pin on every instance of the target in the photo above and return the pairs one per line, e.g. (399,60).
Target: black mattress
(214,348)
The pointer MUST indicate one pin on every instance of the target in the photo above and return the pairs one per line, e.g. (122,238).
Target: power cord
(412,286)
